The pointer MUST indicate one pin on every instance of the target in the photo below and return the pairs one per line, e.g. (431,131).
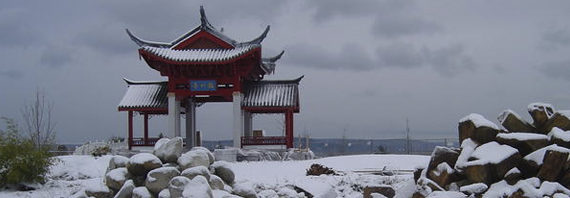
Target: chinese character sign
(203,85)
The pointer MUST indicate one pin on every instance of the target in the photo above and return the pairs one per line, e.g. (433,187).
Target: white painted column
(247,124)
(173,115)
(190,123)
(238,118)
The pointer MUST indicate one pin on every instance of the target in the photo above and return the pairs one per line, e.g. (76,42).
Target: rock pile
(166,173)
(521,159)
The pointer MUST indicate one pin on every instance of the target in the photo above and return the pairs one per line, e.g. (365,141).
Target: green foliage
(20,160)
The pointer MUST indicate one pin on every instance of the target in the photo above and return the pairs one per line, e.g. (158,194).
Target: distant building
(204,65)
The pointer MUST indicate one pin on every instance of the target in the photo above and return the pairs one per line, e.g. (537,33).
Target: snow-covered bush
(20,160)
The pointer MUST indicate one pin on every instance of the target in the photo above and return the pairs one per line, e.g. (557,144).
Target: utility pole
(408,135)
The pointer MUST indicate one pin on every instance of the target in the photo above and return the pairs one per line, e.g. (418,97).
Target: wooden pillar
(130,129)
(146,128)
(190,123)
(289,128)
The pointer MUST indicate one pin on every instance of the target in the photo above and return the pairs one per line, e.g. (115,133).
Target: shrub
(21,162)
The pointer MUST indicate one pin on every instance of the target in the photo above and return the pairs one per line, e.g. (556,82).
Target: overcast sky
(368,65)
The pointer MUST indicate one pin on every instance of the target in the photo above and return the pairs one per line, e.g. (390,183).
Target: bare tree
(37,121)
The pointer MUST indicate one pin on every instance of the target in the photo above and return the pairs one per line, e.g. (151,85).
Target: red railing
(267,140)
(141,142)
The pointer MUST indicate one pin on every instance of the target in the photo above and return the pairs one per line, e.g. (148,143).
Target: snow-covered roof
(268,93)
(145,95)
(200,55)
(283,93)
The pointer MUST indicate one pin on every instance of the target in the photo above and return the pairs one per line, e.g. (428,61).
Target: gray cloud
(106,38)
(554,39)
(14,28)
(12,74)
(450,61)
(400,55)
(350,57)
(447,61)
(556,69)
(392,26)
(56,56)
(329,10)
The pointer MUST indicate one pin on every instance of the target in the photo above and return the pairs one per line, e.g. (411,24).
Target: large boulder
(117,161)
(533,161)
(514,123)
(477,128)
(115,178)
(193,158)
(526,143)
(245,189)
(540,113)
(159,179)
(560,120)
(552,166)
(223,170)
(177,185)
(443,174)
(442,154)
(140,164)
(195,171)
(142,192)
(474,189)
(198,188)
(513,176)
(165,193)
(98,190)
(127,190)
(490,162)
(384,190)
(205,150)
(559,137)
(168,150)
(216,182)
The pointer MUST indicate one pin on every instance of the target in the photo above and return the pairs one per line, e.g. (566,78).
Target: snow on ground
(76,172)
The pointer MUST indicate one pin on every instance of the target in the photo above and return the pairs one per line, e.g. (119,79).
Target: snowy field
(74,173)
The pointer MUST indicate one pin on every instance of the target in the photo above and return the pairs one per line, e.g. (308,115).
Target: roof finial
(203,18)
(275,58)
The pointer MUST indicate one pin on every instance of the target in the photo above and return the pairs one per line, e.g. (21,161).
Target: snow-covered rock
(268,193)
(117,161)
(446,194)
(142,192)
(165,193)
(208,152)
(477,128)
(525,143)
(195,171)
(127,190)
(168,150)
(176,185)
(159,179)
(93,148)
(514,123)
(474,189)
(140,164)
(491,162)
(294,154)
(98,189)
(245,189)
(560,137)
(222,169)
(216,182)
(193,158)
(198,188)
(116,178)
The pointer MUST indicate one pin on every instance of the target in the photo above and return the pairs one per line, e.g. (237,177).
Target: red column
(130,123)
(289,128)
(145,128)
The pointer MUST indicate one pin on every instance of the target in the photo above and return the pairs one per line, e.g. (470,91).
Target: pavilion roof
(200,55)
(145,95)
(141,96)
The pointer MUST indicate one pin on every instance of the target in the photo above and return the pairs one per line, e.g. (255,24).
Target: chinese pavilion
(204,65)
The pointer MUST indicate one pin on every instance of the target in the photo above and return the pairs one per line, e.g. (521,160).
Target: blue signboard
(203,85)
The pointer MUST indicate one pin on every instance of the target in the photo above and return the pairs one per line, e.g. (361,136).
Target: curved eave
(257,40)
(150,56)
(142,43)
